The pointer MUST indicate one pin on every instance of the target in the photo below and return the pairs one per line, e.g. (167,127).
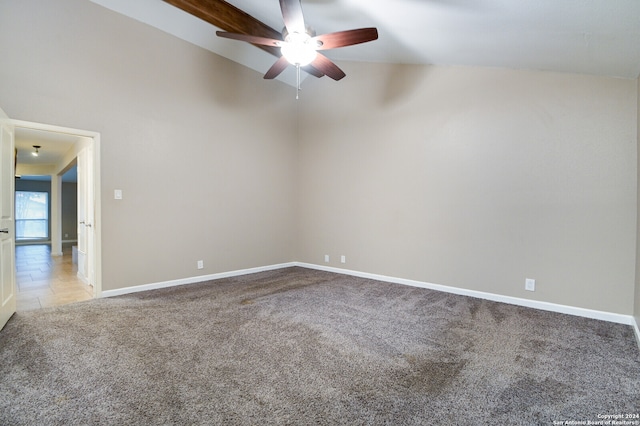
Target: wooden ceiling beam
(229,18)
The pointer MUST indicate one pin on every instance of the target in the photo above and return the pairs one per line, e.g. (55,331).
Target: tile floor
(44,280)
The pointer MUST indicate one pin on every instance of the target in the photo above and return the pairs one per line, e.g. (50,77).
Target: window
(32,215)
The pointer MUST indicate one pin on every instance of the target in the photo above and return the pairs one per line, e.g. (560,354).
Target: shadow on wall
(230,90)
(401,82)
(237,87)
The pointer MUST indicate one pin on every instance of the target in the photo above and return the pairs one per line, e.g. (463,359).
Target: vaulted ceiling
(600,37)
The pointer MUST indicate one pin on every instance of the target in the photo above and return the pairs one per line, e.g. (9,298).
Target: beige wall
(69,211)
(474,178)
(637,289)
(467,177)
(203,149)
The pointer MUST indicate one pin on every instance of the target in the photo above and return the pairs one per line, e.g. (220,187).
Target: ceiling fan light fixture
(298,49)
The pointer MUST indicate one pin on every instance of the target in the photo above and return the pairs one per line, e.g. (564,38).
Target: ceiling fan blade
(311,70)
(250,39)
(345,38)
(292,16)
(325,66)
(277,68)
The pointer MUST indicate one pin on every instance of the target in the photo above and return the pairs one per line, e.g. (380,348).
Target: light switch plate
(117,194)
(530,284)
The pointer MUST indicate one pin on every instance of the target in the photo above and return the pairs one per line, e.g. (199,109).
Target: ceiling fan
(297,45)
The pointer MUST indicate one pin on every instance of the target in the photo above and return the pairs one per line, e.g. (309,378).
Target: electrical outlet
(529,284)
(326,258)
(200,264)
(343,259)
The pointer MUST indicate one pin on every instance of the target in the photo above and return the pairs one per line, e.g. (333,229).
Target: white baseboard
(637,329)
(545,306)
(193,280)
(82,278)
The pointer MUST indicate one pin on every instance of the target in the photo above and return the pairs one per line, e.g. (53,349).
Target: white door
(90,216)
(85,216)
(82,220)
(7,225)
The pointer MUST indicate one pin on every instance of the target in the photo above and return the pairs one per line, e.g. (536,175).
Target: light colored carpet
(297,346)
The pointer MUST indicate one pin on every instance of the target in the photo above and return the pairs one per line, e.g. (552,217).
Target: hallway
(45,281)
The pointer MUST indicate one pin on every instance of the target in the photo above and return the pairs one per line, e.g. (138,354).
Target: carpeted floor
(297,346)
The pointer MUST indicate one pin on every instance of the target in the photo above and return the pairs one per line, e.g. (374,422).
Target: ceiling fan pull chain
(298,81)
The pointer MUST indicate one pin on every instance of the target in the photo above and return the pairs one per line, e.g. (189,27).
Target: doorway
(66,268)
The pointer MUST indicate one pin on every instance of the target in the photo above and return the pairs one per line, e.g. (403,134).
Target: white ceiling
(600,37)
(53,147)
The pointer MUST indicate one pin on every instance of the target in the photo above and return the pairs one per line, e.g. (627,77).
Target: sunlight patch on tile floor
(44,280)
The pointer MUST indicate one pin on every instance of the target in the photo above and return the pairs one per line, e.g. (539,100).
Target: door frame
(96,250)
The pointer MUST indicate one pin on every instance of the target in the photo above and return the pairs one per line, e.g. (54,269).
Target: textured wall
(637,289)
(203,149)
(474,178)
(468,177)
(69,211)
